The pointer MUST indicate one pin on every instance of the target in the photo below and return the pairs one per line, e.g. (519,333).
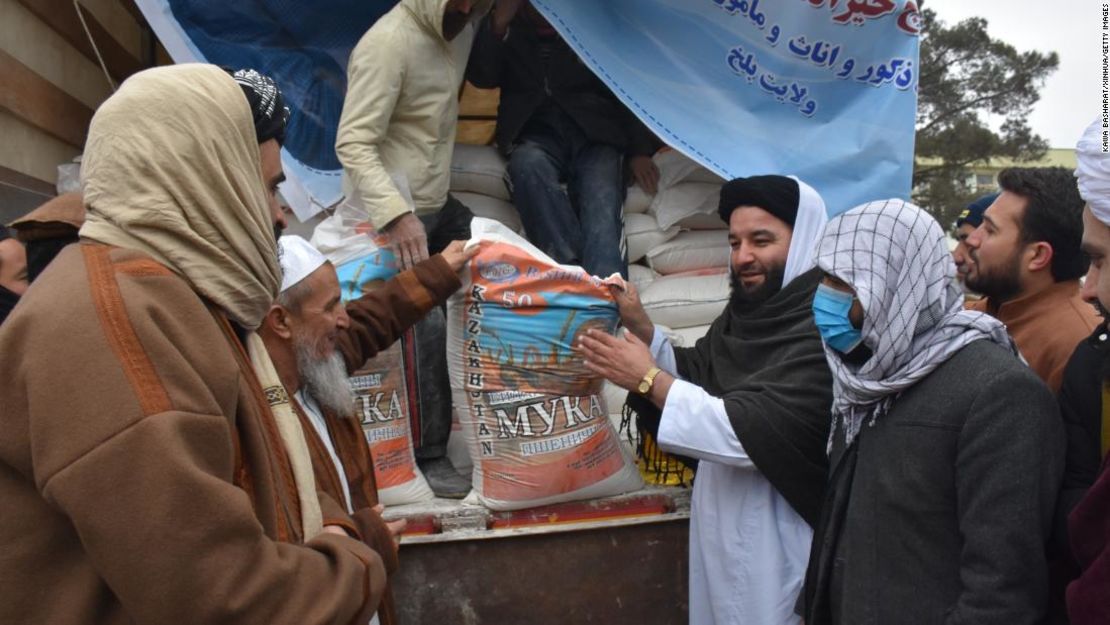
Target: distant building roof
(1054,157)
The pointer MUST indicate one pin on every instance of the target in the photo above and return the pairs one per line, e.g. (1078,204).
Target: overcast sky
(1071,96)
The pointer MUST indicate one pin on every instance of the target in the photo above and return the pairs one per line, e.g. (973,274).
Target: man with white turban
(148,469)
(1085,402)
(946,450)
(316,342)
(749,401)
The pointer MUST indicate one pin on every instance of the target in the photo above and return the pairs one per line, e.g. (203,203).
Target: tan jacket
(141,473)
(1046,326)
(401,110)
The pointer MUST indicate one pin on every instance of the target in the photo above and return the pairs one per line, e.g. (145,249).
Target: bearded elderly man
(316,342)
(151,470)
(750,401)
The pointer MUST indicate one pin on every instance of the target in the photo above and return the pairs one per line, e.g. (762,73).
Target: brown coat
(1047,326)
(61,216)
(377,321)
(141,474)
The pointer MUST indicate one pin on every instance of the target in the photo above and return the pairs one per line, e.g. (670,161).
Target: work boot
(443,478)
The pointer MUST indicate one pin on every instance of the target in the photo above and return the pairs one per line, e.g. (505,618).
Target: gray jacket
(939,512)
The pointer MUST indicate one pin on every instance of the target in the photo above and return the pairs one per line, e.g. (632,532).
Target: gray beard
(325,379)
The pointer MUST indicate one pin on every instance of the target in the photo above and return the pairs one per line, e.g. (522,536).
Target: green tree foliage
(966,78)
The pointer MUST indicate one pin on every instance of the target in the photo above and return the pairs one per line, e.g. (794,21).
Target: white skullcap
(1093,171)
(298,260)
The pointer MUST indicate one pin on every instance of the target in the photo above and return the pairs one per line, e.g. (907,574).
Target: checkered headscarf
(895,257)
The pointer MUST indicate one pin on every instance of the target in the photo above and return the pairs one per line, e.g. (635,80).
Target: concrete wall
(51,82)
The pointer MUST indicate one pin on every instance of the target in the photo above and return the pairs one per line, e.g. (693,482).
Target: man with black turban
(750,401)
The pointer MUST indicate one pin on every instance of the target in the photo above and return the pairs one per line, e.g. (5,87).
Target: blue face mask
(830,313)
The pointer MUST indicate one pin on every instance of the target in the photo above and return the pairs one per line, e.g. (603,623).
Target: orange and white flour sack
(383,393)
(536,423)
(382,407)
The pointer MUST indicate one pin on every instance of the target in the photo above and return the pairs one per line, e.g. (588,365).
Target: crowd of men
(887,431)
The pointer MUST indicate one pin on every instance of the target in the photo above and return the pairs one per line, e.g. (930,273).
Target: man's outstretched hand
(456,256)
(396,528)
(622,360)
(633,315)
(409,240)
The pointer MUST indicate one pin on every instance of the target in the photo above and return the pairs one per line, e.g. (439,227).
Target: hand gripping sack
(535,418)
(383,392)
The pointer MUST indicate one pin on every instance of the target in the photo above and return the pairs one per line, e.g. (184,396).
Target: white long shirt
(748,546)
(316,417)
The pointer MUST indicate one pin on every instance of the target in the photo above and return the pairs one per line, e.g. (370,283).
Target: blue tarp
(822,89)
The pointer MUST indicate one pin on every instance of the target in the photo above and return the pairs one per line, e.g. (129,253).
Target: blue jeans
(583,225)
(431,418)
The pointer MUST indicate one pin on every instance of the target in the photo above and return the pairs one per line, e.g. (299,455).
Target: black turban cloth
(777,195)
(268,110)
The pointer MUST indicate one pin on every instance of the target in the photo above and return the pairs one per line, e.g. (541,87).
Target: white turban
(1093,172)
(298,260)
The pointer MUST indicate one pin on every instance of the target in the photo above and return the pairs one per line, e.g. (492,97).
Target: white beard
(325,379)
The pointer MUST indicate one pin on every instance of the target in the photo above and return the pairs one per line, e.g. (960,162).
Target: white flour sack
(383,389)
(535,419)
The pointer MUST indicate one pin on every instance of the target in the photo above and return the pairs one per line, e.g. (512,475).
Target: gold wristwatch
(649,378)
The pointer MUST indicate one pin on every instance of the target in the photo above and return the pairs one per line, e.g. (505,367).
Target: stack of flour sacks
(677,244)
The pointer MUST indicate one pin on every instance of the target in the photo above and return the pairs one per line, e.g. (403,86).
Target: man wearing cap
(315,343)
(1089,521)
(151,470)
(966,223)
(750,401)
(1025,259)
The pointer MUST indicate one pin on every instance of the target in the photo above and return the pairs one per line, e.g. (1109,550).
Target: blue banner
(822,89)
(303,45)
